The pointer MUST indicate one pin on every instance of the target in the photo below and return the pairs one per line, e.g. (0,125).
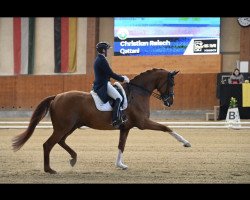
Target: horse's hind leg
(68,149)
(47,146)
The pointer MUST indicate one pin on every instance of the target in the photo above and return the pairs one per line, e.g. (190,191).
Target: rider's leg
(114,94)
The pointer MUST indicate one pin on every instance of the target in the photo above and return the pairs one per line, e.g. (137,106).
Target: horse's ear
(174,73)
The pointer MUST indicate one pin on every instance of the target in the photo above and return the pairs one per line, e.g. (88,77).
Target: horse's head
(166,88)
(159,79)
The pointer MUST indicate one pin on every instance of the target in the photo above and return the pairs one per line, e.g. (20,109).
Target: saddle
(109,105)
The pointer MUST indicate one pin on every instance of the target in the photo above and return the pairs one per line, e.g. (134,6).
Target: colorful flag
(24,43)
(246,95)
(65,32)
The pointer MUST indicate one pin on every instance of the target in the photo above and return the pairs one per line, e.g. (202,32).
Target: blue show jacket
(103,73)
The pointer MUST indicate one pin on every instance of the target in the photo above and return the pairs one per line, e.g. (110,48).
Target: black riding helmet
(102,45)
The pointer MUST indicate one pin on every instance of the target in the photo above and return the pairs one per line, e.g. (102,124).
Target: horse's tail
(39,113)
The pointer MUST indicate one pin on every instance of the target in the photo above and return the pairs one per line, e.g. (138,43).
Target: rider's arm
(109,71)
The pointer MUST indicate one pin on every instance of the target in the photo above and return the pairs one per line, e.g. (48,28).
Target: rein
(165,97)
(157,96)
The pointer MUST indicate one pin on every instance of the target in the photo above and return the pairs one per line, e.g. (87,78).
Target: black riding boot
(123,117)
(116,114)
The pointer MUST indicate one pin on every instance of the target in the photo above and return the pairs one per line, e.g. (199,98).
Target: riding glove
(126,79)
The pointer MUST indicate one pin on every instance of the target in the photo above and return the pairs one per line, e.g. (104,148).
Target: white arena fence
(182,125)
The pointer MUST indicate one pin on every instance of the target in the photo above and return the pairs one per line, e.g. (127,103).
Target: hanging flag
(24,43)
(65,32)
(246,95)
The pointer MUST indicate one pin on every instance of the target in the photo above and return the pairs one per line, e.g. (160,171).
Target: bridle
(168,94)
(164,97)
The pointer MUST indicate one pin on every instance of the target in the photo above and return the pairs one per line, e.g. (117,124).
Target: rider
(102,85)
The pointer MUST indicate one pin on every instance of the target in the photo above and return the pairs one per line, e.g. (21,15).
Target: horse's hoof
(187,144)
(72,162)
(122,166)
(50,171)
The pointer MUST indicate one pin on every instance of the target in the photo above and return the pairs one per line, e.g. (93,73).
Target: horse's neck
(140,96)
(148,83)
(142,88)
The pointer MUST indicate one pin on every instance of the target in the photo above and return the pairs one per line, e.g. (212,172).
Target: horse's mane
(146,73)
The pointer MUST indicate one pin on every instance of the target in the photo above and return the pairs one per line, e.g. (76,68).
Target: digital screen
(158,36)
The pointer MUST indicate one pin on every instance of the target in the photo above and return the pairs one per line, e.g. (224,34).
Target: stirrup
(124,119)
(117,123)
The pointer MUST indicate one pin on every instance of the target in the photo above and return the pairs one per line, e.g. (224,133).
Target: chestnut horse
(74,109)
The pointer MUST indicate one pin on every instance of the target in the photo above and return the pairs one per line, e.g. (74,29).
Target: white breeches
(112,92)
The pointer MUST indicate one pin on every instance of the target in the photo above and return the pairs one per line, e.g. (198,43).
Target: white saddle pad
(106,106)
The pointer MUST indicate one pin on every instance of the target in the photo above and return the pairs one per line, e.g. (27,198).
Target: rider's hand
(126,79)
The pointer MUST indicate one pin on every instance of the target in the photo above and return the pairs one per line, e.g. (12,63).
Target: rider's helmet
(102,45)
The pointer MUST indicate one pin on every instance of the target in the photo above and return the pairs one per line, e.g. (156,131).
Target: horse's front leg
(121,146)
(148,124)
